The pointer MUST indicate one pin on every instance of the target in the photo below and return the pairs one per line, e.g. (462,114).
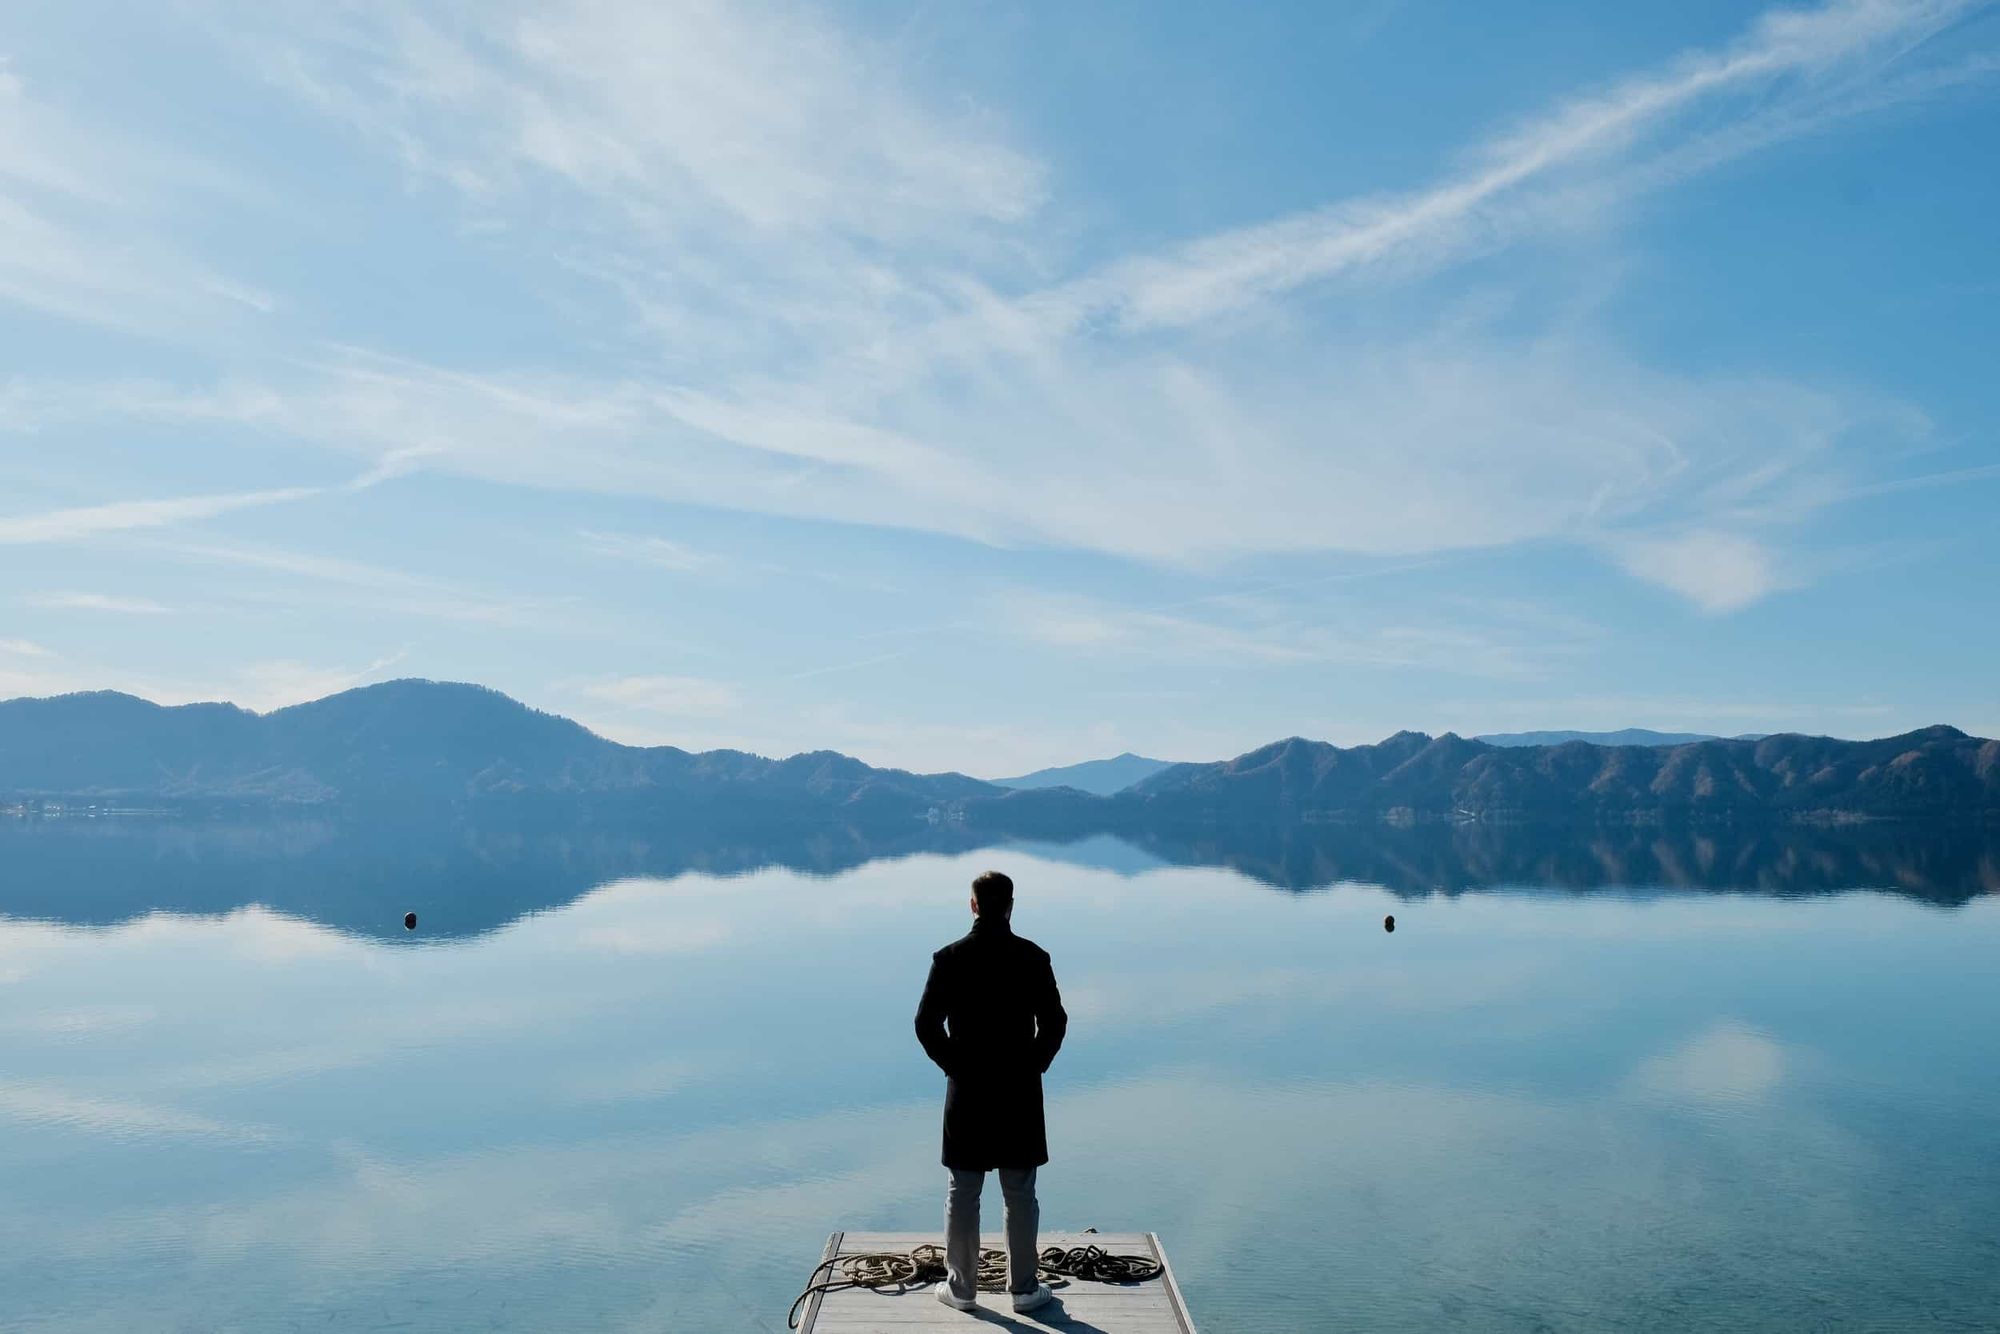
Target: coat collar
(983,925)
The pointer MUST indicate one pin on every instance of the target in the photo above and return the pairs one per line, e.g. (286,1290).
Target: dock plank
(1153,1307)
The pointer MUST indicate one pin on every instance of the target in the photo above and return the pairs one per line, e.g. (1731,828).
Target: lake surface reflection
(624,1083)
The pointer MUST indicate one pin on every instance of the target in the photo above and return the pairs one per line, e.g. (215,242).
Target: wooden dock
(1152,1307)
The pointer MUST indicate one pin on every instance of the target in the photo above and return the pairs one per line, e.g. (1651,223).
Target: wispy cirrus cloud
(108,602)
(754,179)
(846,298)
(1723,715)
(276,683)
(86,521)
(680,696)
(1440,444)
(83,522)
(852,326)
(385,588)
(1796,68)
(768,115)
(83,223)
(1249,633)
(852,665)
(659,553)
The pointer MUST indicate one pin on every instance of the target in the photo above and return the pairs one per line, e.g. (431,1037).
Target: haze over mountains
(406,741)
(1627,736)
(1106,777)
(1410,777)
(1101,777)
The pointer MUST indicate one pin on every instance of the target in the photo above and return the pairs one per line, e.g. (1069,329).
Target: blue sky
(986,386)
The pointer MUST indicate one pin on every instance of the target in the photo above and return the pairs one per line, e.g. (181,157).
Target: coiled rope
(884,1270)
(1096,1264)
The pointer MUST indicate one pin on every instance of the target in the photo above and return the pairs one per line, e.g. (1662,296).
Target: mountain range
(1100,777)
(423,741)
(408,740)
(1625,736)
(1933,772)
(1105,778)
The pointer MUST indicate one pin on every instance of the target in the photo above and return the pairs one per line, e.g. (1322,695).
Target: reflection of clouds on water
(524,1220)
(255,998)
(79,1020)
(251,934)
(388,1028)
(551,1126)
(642,1080)
(1465,1188)
(1150,999)
(654,937)
(639,917)
(1617,915)
(47,1105)
(1728,1063)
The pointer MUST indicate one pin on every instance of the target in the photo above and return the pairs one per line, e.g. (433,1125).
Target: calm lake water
(643,1103)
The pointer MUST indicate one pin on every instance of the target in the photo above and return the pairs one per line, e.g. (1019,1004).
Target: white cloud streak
(83,220)
(679,696)
(84,522)
(1257,635)
(278,683)
(854,321)
(123,606)
(761,116)
(1718,572)
(71,525)
(1057,417)
(1673,713)
(1393,451)
(386,589)
(660,553)
(1224,272)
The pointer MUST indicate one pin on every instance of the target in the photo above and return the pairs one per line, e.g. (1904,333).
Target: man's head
(993,895)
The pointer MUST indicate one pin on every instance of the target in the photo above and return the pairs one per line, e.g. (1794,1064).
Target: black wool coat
(992,1020)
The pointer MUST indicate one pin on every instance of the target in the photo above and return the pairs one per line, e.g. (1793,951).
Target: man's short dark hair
(993,892)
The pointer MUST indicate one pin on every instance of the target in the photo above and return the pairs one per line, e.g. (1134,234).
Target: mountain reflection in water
(468,876)
(602,1087)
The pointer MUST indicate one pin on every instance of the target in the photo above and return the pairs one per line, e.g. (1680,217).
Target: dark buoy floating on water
(409,921)
(1388,923)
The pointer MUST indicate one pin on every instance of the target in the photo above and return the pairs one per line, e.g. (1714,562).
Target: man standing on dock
(993,1021)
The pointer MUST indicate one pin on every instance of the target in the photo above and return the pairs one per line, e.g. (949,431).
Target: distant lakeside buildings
(55,808)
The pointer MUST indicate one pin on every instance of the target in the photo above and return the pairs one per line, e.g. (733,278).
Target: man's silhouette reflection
(993,1021)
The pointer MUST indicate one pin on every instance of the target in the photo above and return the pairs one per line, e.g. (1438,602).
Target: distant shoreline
(432,743)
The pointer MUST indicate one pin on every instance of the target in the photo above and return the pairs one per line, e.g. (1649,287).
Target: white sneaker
(956,1303)
(1028,1301)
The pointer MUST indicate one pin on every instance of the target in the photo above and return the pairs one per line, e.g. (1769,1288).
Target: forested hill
(1935,771)
(424,740)
(407,740)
